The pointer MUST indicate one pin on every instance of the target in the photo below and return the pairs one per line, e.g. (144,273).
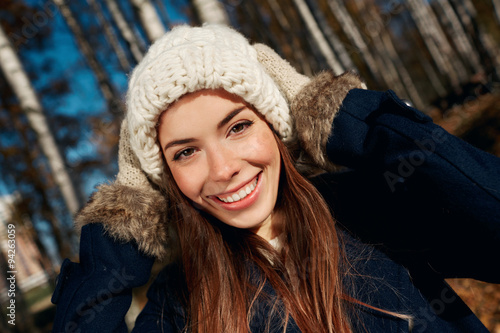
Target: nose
(223,164)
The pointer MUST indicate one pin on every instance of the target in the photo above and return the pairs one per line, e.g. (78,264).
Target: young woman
(217,143)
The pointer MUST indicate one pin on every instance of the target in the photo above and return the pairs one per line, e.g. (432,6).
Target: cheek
(188,181)
(264,150)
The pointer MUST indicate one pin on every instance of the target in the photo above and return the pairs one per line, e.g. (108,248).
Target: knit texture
(281,71)
(188,59)
(130,173)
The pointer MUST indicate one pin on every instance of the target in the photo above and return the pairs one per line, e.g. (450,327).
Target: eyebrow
(178,142)
(221,124)
(230,116)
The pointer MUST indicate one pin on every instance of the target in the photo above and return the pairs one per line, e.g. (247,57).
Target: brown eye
(240,127)
(185,153)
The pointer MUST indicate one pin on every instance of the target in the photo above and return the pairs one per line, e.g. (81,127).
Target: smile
(235,197)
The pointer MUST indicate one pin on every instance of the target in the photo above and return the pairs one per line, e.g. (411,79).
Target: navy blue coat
(417,205)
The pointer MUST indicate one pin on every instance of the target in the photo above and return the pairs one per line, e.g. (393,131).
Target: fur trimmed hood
(140,214)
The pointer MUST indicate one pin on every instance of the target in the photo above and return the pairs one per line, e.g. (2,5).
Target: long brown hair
(226,269)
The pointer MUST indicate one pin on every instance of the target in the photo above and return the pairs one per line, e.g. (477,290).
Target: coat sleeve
(95,294)
(163,311)
(424,194)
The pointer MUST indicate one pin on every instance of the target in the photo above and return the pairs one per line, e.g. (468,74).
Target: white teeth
(241,194)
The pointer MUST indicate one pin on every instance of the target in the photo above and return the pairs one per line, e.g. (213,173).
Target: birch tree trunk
(352,32)
(62,236)
(465,12)
(318,37)
(433,76)
(291,38)
(111,97)
(211,11)
(494,52)
(439,48)
(488,50)
(110,35)
(496,7)
(457,34)
(335,42)
(252,15)
(469,6)
(126,31)
(402,72)
(396,64)
(21,85)
(149,18)
(163,12)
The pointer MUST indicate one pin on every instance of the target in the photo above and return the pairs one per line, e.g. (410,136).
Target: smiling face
(224,158)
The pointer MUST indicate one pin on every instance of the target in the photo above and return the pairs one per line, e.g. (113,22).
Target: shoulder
(368,104)
(379,281)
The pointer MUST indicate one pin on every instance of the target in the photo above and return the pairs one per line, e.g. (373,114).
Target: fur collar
(130,214)
(141,214)
(313,110)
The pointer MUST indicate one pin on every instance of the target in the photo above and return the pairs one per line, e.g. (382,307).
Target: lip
(246,201)
(236,189)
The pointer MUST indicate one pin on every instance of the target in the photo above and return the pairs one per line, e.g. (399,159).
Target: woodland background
(64,67)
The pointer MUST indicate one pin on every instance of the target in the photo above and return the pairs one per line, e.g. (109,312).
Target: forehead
(201,111)
(207,104)
(211,94)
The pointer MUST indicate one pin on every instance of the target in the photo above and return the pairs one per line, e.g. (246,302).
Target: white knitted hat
(188,59)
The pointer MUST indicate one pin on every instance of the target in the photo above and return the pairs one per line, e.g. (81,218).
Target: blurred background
(64,67)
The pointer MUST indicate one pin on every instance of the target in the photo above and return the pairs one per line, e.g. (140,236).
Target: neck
(270,227)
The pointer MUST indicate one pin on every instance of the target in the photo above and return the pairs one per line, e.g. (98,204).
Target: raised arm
(425,196)
(428,196)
